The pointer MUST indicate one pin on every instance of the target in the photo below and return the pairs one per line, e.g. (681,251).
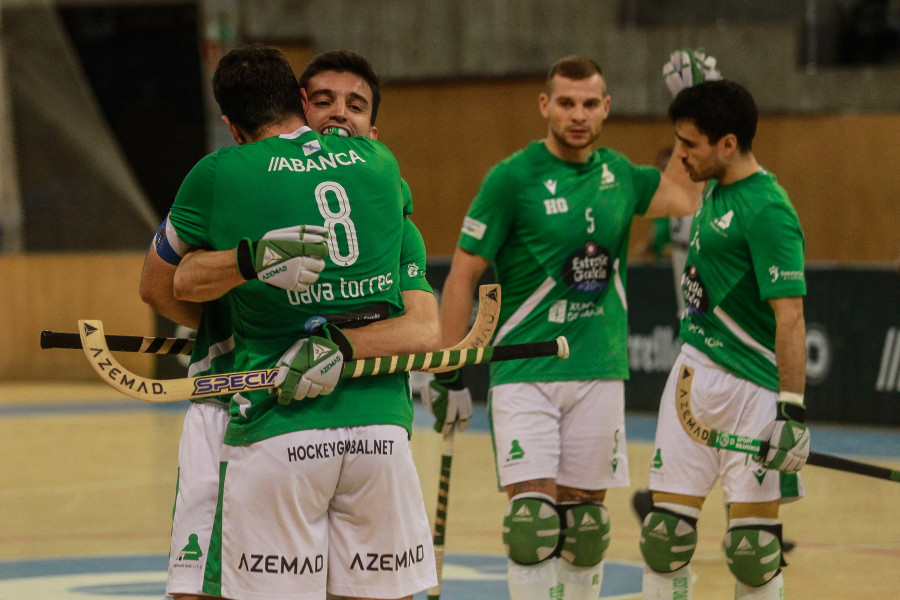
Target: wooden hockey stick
(480,334)
(723,440)
(93,343)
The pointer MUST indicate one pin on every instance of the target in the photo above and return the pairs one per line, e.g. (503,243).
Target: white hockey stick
(93,342)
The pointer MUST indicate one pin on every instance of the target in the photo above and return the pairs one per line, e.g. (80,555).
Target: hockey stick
(481,332)
(121,343)
(478,336)
(162,345)
(723,440)
(94,345)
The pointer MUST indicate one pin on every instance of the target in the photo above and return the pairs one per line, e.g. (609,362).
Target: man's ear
(304,100)
(728,145)
(373,132)
(236,132)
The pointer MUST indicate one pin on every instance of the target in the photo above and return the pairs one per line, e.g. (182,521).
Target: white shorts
(325,509)
(196,495)
(570,431)
(722,401)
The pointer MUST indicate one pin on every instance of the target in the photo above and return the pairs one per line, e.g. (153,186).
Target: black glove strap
(452,380)
(334,333)
(245,259)
(788,411)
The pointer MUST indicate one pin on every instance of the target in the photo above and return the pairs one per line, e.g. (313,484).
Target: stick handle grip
(121,343)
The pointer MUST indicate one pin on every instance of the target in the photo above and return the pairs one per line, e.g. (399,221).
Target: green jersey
(213,351)
(351,186)
(746,248)
(557,233)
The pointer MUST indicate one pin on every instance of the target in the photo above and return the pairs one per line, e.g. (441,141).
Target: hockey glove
(787,439)
(449,401)
(290,258)
(689,67)
(312,366)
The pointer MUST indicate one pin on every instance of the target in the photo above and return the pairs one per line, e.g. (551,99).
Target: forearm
(790,345)
(457,296)
(416,330)
(205,275)
(156,290)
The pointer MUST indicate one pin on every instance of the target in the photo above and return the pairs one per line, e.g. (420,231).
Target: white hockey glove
(449,401)
(312,366)
(788,440)
(290,258)
(688,67)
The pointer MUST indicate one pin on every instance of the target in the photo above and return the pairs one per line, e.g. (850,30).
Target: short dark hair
(718,108)
(345,61)
(573,67)
(255,86)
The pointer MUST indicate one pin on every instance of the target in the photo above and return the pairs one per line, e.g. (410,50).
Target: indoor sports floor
(87,480)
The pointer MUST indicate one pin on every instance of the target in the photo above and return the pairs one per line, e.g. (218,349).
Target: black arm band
(245,260)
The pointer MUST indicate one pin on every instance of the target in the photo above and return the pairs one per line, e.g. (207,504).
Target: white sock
(532,582)
(580,583)
(665,586)
(773,590)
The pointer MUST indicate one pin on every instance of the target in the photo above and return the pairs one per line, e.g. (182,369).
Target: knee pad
(668,539)
(585,536)
(753,550)
(530,529)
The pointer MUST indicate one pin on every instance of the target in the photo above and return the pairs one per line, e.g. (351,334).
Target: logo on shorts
(390,561)
(515,452)
(657,462)
(760,475)
(192,551)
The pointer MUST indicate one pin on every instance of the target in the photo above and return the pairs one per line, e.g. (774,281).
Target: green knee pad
(530,529)
(753,553)
(585,537)
(668,540)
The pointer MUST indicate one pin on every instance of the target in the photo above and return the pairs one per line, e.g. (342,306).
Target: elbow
(431,338)
(150,297)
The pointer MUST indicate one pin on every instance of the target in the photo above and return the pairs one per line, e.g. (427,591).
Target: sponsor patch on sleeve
(473,228)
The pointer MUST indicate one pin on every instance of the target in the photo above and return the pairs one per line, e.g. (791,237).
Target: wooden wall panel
(839,170)
(53,291)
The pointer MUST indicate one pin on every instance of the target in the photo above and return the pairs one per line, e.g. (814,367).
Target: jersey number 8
(339,217)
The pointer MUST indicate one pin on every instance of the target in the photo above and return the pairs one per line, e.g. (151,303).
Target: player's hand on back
(312,366)
(290,258)
(689,67)
(449,401)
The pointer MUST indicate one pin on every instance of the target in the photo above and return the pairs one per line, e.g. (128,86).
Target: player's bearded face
(697,154)
(575,111)
(339,104)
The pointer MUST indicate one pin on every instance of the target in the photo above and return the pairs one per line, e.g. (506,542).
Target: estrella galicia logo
(588,269)
(696,299)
